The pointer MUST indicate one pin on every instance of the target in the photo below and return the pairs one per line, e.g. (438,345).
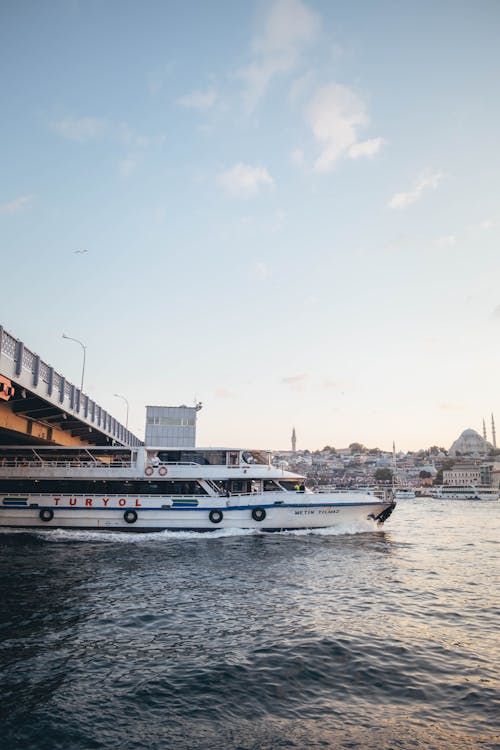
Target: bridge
(40,406)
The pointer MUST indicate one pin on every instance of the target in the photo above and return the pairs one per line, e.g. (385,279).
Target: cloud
(244,181)
(335,115)
(80,128)
(484,225)
(448,240)
(287,27)
(201,100)
(296,382)
(428,180)
(496,313)
(223,393)
(129,137)
(451,407)
(15,205)
(331,385)
(84,129)
(366,148)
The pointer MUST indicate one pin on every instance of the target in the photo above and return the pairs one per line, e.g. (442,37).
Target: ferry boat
(144,489)
(471,492)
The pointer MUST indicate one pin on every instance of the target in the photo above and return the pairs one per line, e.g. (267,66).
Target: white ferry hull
(144,519)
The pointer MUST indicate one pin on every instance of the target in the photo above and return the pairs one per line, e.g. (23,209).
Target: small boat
(404,493)
(470,492)
(144,489)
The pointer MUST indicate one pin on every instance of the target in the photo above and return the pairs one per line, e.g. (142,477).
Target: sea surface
(343,639)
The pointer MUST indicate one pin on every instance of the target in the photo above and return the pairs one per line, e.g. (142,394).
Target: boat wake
(117,537)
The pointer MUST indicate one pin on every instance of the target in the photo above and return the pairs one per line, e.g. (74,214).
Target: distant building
(469,443)
(294,440)
(495,474)
(171,426)
(465,475)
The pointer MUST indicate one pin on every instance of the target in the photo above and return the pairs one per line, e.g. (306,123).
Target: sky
(288,210)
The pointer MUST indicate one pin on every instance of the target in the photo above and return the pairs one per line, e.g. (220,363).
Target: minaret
(493,433)
(294,440)
(484,430)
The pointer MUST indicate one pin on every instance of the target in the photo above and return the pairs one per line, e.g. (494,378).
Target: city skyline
(288,210)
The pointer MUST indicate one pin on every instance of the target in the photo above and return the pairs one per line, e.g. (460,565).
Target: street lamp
(84,352)
(126,402)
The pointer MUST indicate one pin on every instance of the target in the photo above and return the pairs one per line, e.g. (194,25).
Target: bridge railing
(31,369)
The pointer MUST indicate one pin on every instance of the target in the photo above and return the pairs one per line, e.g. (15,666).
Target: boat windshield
(291,485)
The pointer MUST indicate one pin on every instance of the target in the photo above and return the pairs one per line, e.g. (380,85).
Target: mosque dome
(470,442)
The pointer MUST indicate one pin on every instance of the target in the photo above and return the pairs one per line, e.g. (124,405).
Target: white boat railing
(6,464)
(383,493)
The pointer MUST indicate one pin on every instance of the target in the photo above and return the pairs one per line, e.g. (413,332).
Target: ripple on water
(249,640)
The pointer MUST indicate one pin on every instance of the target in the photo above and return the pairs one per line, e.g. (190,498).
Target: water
(249,641)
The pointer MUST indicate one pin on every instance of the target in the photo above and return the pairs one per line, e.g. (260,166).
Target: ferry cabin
(90,477)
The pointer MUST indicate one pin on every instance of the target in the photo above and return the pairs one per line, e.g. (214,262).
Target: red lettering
(137,504)
(56,500)
(88,502)
(72,501)
(122,502)
(105,501)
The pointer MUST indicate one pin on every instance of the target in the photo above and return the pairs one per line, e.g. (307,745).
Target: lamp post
(126,402)
(70,338)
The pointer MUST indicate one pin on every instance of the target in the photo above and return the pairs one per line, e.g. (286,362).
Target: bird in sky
(80,252)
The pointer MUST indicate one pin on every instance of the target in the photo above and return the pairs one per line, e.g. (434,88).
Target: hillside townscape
(470,460)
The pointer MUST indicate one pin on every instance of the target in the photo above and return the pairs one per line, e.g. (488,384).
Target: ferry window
(289,486)
(254,457)
(237,486)
(193,457)
(270,485)
(172,457)
(214,458)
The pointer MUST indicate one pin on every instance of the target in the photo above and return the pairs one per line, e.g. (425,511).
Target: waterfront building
(468,473)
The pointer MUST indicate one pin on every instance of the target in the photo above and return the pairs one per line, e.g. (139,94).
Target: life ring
(148,471)
(216,516)
(130,516)
(46,514)
(258,514)
(163,471)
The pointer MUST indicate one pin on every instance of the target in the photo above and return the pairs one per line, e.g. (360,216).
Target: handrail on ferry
(178,463)
(117,464)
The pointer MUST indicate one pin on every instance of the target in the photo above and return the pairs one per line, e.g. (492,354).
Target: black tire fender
(216,516)
(130,516)
(46,514)
(258,514)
